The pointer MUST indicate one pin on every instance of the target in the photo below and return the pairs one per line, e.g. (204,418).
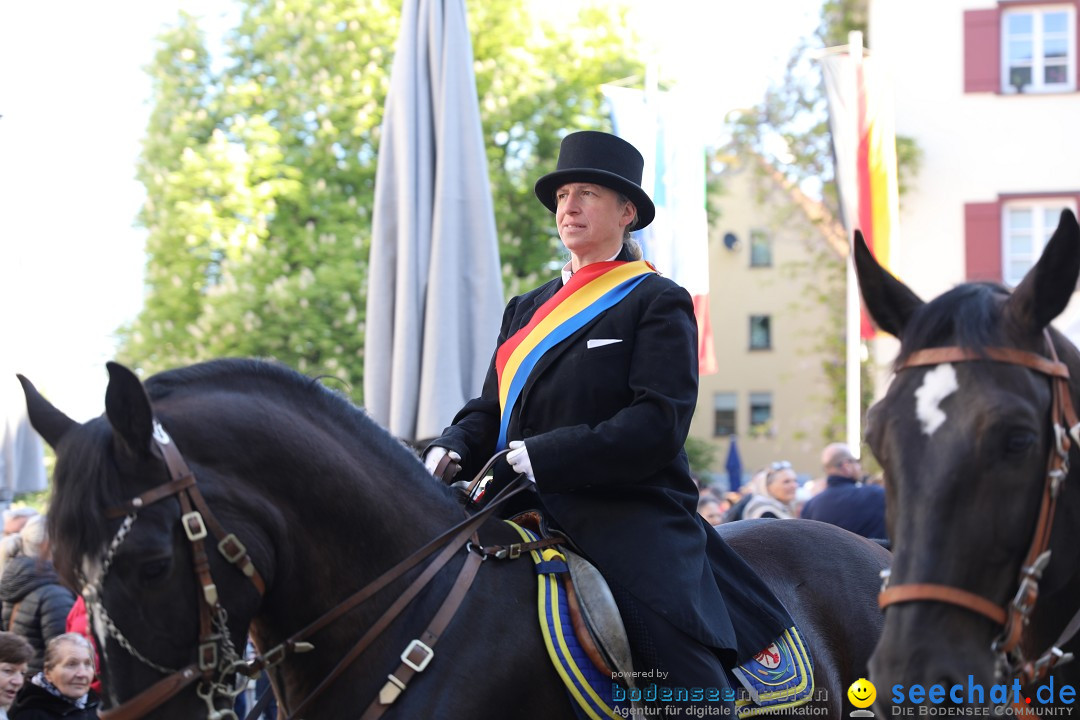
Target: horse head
(275,462)
(964,436)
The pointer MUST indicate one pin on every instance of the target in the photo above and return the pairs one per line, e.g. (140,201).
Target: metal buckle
(273,656)
(1023,602)
(1060,436)
(159,433)
(208,653)
(509,553)
(200,530)
(238,549)
(417,645)
(478,549)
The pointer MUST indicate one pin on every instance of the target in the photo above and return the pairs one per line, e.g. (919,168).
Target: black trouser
(683,672)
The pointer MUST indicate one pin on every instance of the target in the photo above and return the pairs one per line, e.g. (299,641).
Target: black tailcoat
(605,427)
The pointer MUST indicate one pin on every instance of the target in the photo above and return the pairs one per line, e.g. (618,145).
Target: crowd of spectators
(843,496)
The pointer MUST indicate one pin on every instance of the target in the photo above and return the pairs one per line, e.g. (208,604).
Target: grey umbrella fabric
(22,457)
(434,290)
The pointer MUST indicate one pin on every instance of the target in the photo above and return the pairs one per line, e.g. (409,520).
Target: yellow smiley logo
(862,693)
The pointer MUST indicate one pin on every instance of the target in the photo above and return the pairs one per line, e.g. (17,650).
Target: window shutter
(982,241)
(982,51)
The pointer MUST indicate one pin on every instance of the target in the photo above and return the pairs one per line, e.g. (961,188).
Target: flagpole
(854,315)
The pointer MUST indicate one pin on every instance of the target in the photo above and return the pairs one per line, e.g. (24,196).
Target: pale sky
(73,101)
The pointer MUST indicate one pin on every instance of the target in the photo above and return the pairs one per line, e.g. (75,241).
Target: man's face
(848,467)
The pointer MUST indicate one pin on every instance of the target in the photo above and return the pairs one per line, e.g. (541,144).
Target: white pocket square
(601,343)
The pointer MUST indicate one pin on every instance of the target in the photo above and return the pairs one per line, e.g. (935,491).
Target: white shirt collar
(567,273)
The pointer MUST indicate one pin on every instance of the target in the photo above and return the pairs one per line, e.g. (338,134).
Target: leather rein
(217,660)
(1014,616)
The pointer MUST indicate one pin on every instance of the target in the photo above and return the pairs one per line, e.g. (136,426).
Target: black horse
(324,501)
(976,485)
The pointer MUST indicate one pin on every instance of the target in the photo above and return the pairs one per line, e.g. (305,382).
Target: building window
(723,414)
(1026,226)
(760,332)
(760,413)
(760,249)
(1038,49)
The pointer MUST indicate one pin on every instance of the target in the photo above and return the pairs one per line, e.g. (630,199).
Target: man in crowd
(846,500)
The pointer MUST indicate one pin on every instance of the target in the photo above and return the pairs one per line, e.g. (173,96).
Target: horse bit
(217,658)
(1014,616)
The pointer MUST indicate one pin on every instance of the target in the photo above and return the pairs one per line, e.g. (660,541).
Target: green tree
(178,254)
(260,175)
(536,79)
(701,454)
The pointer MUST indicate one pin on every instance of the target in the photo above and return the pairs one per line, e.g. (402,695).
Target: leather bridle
(1014,616)
(217,660)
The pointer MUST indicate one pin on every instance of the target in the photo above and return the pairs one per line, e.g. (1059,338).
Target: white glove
(435,454)
(518,457)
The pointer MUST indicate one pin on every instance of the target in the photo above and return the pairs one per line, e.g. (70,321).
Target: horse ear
(1047,288)
(890,302)
(50,423)
(128,409)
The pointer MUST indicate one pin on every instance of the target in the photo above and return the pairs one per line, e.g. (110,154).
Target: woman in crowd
(36,605)
(62,689)
(774,494)
(14,653)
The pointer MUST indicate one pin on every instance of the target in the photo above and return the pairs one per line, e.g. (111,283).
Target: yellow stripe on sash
(574,304)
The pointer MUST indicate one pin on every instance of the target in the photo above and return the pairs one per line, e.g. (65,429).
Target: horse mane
(86,477)
(968,316)
(84,481)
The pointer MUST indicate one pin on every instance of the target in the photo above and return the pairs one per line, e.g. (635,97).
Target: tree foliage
(259,168)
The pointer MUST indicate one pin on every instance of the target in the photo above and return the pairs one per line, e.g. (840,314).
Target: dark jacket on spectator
(35,703)
(853,506)
(41,604)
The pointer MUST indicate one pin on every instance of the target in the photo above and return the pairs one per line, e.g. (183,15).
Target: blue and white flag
(667,130)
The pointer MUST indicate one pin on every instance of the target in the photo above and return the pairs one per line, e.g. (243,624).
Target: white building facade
(989,92)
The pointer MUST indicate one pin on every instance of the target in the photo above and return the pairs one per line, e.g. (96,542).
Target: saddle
(595,616)
(600,678)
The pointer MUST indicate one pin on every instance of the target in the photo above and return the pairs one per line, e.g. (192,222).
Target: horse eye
(1019,441)
(154,570)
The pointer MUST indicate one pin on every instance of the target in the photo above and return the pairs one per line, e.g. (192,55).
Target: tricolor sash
(592,290)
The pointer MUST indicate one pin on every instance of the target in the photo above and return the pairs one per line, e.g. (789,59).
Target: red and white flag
(862,121)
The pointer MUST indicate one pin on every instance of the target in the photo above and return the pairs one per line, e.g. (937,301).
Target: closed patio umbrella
(435,291)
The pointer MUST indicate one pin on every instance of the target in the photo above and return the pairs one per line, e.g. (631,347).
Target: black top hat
(601,158)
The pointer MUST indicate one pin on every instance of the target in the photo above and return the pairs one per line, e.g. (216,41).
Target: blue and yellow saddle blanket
(778,678)
(590,690)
